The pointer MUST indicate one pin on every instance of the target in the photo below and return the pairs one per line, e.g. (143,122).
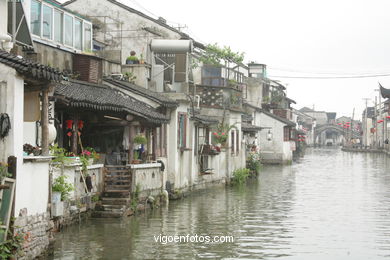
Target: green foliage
(95,198)
(129,76)
(276,97)
(214,55)
(253,163)
(59,154)
(84,164)
(140,139)
(12,247)
(135,197)
(266,99)
(61,185)
(4,171)
(240,176)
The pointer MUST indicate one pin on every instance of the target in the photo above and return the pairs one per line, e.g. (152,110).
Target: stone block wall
(36,233)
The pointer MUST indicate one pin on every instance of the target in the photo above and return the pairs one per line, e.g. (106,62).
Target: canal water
(329,205)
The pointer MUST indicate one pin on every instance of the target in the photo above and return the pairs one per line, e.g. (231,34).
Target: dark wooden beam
(45,121)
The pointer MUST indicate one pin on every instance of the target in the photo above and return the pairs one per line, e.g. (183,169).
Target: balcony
(138,74)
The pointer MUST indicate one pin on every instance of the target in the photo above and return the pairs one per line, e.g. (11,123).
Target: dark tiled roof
(30,68)
(306,109)
(101,97)
(206,120)
(385,92)
(290,100)
(249,127)
(281,119)
(155,96)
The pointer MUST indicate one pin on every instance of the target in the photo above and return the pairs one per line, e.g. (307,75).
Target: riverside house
(170,123)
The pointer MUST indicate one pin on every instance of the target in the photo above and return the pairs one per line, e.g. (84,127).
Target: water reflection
(330,205)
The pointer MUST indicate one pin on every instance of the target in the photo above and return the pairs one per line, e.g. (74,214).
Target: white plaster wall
(73,174)
(30,133)
(32,187)
(148,177)
(11,102)
(271,150)
(3,17)
(254,91)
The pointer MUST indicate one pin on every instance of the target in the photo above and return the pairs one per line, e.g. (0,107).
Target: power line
(330,77)
(328,73)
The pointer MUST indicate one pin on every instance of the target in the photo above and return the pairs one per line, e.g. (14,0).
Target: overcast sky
(342,37)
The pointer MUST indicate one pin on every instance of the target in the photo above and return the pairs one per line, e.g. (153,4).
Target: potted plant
(90,154)
(62,187)
(138,141)
(60,155)
(221,134)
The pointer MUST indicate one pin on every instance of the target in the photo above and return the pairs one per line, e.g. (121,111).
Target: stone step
(116,191)
(117,177)
(107,214)
(108,207)
(117,186)
(115,201)
(116,194)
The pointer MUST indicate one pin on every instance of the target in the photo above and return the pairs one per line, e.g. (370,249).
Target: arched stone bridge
(339,129)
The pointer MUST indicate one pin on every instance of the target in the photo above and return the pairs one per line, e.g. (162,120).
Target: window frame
(91,38)
(43,5)
(39,18)
(72,26)
(54,11)
(81,33)
(62,14)
(182,133)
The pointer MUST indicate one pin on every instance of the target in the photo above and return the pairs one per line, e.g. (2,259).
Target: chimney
(161,19)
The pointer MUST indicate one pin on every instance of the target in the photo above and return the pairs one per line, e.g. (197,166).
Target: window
(286,133)
(58,26)
(78,34)
(202,137)
(161,143)
(87,37)
(237,141)
(182,130)
(47,21)
(232,142)
(35,21)
(68,30)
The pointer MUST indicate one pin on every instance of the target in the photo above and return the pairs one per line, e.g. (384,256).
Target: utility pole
(382,137)
(376,123)
(365,124)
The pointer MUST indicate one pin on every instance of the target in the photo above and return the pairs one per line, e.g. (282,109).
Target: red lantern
(80,124)
(69,124)
(388,117)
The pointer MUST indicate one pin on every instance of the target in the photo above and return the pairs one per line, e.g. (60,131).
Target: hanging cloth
(126,138)
(5,125)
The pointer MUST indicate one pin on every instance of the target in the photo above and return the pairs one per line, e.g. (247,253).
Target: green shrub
(60,185)
(253,163)
(240,176)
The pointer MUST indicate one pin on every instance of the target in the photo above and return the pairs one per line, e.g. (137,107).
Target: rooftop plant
(215,55)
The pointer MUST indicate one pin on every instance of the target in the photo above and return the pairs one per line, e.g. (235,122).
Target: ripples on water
(329,205)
